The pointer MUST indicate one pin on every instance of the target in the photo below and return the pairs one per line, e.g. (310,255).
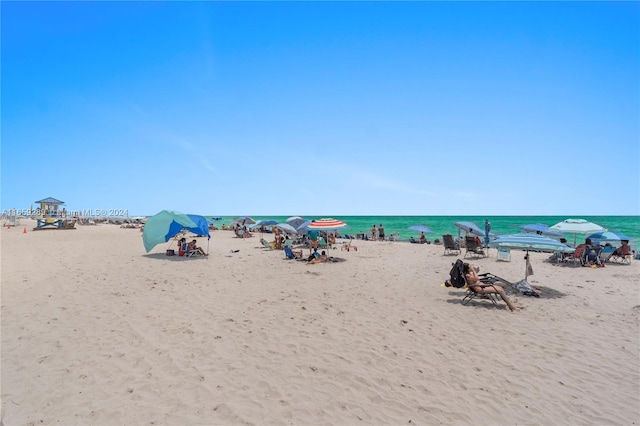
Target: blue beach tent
(168,223)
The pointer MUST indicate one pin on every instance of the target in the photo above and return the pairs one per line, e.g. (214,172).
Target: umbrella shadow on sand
(163,256)
(476,304)
(548,293)
(545,293)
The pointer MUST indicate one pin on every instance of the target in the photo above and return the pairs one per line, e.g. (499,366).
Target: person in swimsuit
(474,283)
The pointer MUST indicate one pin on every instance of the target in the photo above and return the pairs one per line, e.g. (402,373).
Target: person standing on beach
(381,232)
(374,233)
(277,241)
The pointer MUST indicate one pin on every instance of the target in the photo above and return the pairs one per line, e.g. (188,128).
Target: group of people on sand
(584,251)
(241,231)
(314,256)
(191,247)
(377,234)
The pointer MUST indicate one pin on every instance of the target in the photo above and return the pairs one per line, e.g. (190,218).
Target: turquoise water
(628,225)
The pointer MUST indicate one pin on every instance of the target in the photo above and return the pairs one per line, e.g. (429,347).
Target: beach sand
(95,331)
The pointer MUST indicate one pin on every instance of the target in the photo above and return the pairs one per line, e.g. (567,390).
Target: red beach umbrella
(327,224)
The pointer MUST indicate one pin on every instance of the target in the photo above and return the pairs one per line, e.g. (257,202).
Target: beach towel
(525,288)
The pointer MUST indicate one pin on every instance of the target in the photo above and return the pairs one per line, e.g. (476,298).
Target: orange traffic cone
(24,231)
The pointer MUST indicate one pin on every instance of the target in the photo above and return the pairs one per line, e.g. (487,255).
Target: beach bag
(457,274)
(170,252)
(525,288)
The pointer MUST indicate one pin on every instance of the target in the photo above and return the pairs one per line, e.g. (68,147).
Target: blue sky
(323,108)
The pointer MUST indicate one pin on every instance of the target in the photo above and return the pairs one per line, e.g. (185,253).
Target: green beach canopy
(161,227)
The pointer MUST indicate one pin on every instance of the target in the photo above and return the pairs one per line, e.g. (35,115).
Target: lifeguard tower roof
(49,200)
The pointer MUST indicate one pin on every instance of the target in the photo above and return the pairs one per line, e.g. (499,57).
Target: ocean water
(628,225)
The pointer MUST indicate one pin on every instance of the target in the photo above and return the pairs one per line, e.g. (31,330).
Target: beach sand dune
(95,331)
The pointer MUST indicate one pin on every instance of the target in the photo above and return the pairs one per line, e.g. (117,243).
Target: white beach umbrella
(576,226)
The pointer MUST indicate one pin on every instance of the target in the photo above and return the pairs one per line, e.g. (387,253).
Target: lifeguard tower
(51,217)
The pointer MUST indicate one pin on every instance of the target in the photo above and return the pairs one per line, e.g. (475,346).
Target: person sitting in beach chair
(450,246)
(423,238)
(465,273)
(606,253)
(623,253)
(182,246)
(592,256)
(474,247)
(194,250)
(242,232)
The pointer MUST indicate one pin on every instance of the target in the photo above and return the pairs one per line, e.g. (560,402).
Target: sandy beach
(95,331)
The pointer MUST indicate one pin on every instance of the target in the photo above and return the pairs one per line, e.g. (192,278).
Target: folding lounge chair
(577,258)
(458,280)
(473,248)
(487,280)
(266,244)
(348,246)
(606,253)
(186,252)
(289,254)
(322,243)
(450,246)
(624,259)
(592,255)
(504,254)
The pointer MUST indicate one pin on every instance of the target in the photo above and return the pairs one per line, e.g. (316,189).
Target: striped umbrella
(530,242)
(326,224)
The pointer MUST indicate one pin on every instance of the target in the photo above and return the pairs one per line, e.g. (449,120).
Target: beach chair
(289,254)
(606,253)
(288,242)
(592,256)
(266,244)
(473,248)
(504,254)
(186,252)
(322,243)
(349,246)
(623,259)
(577,258)
(450,246)
(458,280)
(394,237)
